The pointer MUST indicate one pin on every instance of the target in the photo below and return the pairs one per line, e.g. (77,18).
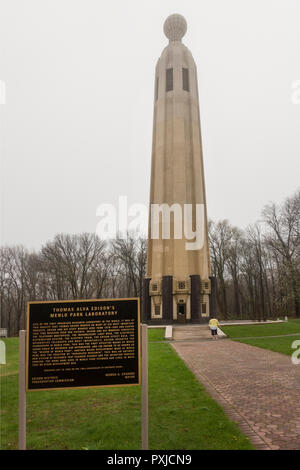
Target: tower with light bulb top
(178,287)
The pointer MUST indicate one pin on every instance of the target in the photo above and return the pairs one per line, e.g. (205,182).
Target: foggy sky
(76,129)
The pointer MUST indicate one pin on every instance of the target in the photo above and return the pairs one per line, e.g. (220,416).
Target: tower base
(170,301)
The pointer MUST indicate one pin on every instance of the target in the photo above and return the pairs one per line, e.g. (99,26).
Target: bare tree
(74,261)
(220,234)
(283,239)
(130,254)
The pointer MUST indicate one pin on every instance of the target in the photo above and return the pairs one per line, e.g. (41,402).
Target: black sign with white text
(83,343)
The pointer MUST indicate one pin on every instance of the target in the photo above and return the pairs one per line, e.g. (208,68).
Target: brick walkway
(257,388)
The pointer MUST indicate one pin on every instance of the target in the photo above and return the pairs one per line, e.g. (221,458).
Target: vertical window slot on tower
(156,88)
(169,79)
(185,79)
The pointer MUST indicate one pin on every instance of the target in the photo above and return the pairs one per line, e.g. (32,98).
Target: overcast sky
(76,128)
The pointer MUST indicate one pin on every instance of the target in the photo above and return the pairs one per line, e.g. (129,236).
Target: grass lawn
(261,335)
(156,334)
(242,331)
(281,344)
(181,414)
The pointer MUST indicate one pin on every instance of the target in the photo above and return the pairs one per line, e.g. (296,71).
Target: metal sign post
(22,390)
(144,387)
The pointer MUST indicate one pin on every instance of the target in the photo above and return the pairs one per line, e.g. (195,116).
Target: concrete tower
(178,286)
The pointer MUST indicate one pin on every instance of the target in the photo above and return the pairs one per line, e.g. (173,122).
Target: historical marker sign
(83,343)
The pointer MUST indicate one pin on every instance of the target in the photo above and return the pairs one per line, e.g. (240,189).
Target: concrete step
(187,332)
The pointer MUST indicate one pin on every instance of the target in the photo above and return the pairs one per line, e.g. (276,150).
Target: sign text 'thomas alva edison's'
(82,343)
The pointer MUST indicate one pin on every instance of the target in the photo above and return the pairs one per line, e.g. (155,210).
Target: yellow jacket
(213,322)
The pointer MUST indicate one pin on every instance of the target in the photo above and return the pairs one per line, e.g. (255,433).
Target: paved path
(259,389)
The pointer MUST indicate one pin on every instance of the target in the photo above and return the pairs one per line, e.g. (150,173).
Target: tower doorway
(181,312)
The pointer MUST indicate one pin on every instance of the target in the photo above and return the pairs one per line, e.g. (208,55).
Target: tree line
(257,270)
